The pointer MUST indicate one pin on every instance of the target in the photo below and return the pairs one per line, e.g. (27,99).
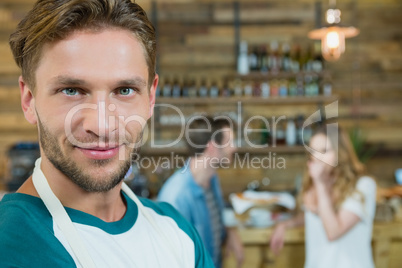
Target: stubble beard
(71,170)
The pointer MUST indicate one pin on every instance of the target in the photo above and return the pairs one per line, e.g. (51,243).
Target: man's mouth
(100,152)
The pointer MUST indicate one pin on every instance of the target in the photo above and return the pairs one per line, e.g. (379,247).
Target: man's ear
(27,102)
(152,97)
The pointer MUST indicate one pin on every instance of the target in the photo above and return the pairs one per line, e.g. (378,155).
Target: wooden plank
(10,96)
(180,60)
(14,122)
(264,13)
(248,100)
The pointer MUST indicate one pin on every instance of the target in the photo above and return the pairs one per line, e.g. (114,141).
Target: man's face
(91,102)
(227,148)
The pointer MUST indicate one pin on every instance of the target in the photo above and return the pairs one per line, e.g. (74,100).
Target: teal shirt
(27,237)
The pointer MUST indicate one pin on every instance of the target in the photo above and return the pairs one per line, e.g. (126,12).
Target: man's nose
(102,120)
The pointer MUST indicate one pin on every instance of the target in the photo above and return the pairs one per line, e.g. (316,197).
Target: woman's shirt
(353,249)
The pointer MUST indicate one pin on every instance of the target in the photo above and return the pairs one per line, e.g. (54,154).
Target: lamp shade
(333,40)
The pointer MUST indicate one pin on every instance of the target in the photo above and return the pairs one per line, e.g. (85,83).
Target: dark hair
(203,129)
(54,20)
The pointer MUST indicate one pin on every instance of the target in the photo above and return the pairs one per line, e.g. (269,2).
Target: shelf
(278,149)
(257,75)
(245,100)
(241,150)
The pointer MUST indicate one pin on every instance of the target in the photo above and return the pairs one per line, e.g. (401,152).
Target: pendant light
(333,35)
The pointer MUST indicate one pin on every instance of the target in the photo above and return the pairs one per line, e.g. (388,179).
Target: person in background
(194,190)
(88,82)
(339,206)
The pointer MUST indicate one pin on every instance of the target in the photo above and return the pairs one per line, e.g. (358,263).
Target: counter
(387,247)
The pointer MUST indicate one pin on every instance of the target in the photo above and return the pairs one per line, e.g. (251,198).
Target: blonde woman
(338,203)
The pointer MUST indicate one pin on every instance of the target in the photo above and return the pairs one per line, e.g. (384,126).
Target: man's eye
(126,91)
(70,91)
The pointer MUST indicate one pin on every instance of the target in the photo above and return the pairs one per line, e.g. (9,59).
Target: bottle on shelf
(300,85)
(257,89)
(303,135)
(307,85)
(307,59)
(203,89)
(248,89)
(280,137)
(286,59)
(167,89)
(186,87)
(295,59)
(238,90)
(265,90)
(327,86)
(176,88)
(265,137)
(315,87)
(273,57)
(318,62)
(263,59)
(283,88)
(214,89)
(192,90)
(291,132)
(292,87)
(242,60)
(226,91)
(274,88)
(253,59)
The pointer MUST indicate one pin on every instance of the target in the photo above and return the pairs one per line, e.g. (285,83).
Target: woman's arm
(234,245)
(278,235)
(335,224)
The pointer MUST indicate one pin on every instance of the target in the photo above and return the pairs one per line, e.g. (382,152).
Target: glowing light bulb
(332,39)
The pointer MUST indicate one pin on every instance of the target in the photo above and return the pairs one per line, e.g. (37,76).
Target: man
(194,190)
(88,82)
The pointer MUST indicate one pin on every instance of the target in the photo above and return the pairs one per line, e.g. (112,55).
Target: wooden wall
(197,38)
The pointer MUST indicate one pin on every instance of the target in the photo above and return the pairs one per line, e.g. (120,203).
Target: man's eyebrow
(137,81)
(68,81)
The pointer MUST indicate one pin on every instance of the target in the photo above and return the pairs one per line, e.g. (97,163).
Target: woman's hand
(277,239)
(278,235)
(235,246)
(319,171)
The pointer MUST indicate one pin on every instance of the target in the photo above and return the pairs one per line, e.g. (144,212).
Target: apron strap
(61,217)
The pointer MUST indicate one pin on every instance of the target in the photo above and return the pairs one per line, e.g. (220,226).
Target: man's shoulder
(202,258)
(21,215)
(177,186)
(180,177)
(22,208)
(166,209)
(26,229)
(162,208)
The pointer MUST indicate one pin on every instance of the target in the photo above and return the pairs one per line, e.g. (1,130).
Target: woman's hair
(348,170)
(53,20)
